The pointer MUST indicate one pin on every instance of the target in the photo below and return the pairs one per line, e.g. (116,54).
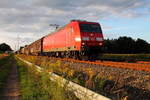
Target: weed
(5,64)
(38,86)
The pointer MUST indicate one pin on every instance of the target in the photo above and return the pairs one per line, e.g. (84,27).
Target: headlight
(99,39)
(77,39)
(85,38)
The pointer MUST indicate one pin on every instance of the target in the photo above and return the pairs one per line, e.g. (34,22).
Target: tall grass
(5,64)
(37,85)
(126,57)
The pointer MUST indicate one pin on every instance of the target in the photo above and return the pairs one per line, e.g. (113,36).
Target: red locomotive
(78,39)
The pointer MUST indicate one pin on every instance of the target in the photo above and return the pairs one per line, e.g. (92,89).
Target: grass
(126,57)
(5,64)
(37,85)
(1,52)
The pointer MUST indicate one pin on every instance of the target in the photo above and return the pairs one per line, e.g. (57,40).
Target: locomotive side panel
(63,39)
(55,42)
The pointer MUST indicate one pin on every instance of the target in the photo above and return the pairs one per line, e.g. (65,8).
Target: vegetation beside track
(37,85)
(97,78)
(2,55)
(126,57)
(83,76)
(5,64)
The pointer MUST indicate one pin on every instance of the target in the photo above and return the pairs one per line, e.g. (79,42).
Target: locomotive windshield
(90,28)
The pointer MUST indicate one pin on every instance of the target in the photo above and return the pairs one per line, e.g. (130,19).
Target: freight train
(78,39)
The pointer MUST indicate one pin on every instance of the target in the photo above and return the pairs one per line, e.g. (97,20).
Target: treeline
(126,45)
(4,47)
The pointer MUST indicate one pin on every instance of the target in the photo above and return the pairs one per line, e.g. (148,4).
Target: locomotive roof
(66,25)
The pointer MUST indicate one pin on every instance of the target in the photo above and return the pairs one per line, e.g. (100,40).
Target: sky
(24,21)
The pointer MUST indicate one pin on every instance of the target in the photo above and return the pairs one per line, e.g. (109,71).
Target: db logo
(92,39)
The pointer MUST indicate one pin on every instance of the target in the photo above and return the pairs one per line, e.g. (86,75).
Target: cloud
(9,40)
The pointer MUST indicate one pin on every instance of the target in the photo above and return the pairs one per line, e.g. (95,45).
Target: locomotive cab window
(90,28)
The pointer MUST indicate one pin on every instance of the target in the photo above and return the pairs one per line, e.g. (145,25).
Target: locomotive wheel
(67,54)
(75,55)
(83,55)
(63,54)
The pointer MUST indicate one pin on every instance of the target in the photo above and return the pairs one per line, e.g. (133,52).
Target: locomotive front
(91,38)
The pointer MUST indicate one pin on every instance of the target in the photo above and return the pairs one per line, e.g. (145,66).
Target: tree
(142,46)
(5,47)
(110,46)
(125,45)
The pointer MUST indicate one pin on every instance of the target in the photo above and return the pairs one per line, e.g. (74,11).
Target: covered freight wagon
(36,47)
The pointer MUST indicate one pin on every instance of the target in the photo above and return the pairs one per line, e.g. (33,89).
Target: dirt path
(11,90)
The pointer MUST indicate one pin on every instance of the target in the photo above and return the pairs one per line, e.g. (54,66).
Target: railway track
(140,66)
(144,62)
